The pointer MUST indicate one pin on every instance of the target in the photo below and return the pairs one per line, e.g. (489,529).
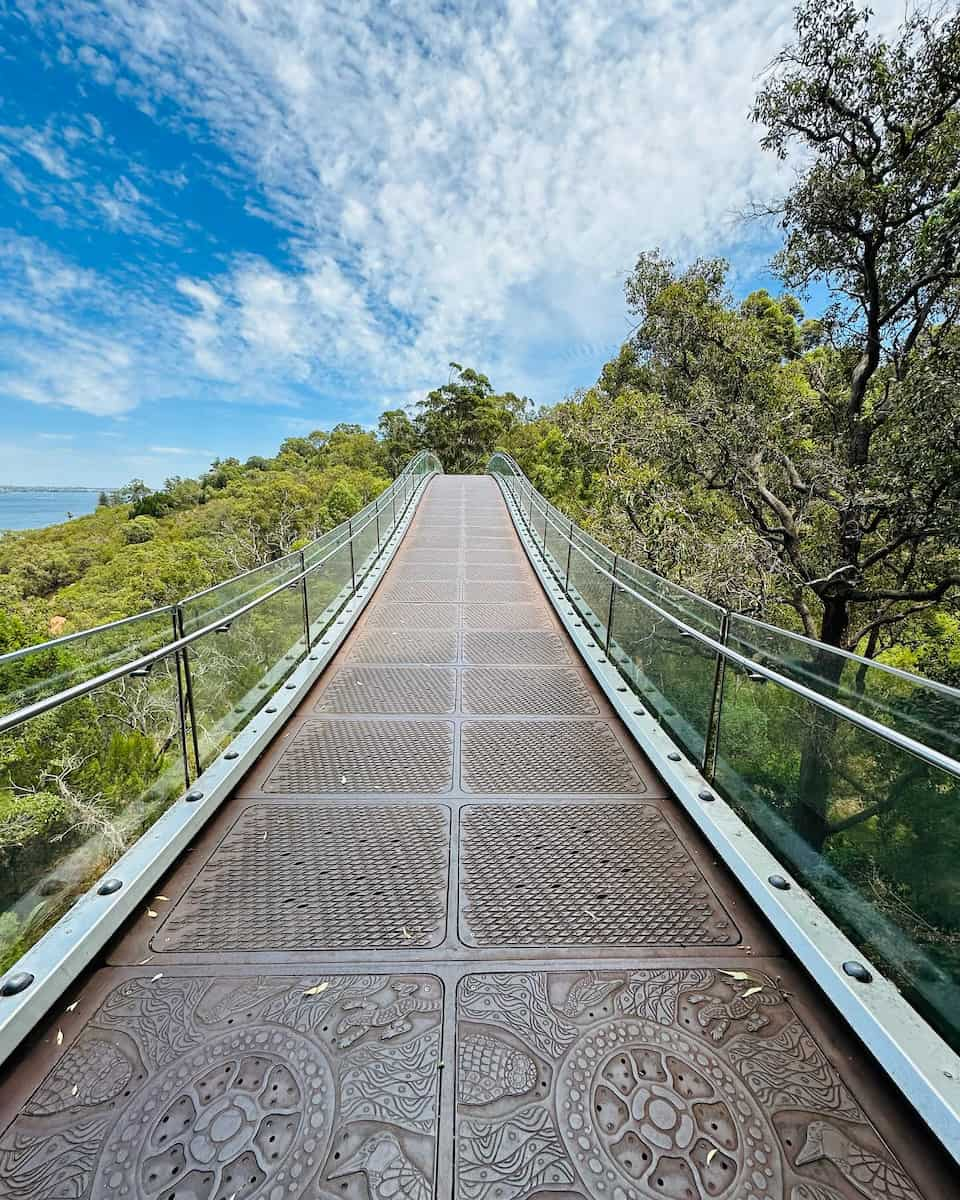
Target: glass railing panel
(365,545)
(919,708)
(218,602)
(234,671)
(671,671)
(870,831)
(40,671)
(693,610)
(557,546)
(589,589)
(78,785)
(329,587)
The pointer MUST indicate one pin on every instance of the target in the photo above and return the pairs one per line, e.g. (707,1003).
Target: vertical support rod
(353,565)
(566,577)
(306,606)
(377,513)
(613,592)
(181,713)
(393,498)
(178,614)
(545,520)
(709,764)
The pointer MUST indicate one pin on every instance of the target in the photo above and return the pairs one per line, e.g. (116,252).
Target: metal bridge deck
(452,938)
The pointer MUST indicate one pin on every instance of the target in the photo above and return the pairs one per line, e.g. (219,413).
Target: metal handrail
(902,741)
(145,662)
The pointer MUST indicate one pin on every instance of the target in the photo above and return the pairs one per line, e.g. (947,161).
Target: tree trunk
(810,809)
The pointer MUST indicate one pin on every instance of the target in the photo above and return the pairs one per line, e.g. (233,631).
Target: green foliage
(462,420)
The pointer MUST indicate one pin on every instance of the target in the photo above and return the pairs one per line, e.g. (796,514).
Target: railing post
(393,499)
(566,577)
(710,746)
(181,713)
(545,520)
(353,565)
(613,592)
(306,606)
(377,515)
(188,680)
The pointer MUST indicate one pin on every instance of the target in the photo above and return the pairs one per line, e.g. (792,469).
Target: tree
(462,420)
(874,214)
(400,439)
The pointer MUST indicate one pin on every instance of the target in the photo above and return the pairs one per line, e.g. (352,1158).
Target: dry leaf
(710,1156)
(406,933)
(751,991)
(315,991)
(71,1007)
(738,974)
(156,977)
(151,912)
(59,1037)
(343,779)
(161,897)
(143,961)
(264,835)
(76,1088)
(590,913)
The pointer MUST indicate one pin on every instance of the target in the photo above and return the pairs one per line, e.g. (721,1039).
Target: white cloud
(454,184)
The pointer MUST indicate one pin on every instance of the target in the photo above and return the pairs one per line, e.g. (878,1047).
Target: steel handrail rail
(900,740)
(147,661)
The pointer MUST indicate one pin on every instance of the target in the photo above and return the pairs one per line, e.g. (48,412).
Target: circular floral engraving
(248,1113)
(648,1111)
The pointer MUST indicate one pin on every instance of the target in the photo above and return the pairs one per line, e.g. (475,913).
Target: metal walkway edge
(451,936)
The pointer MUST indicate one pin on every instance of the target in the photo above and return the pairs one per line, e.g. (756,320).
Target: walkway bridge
(462,898)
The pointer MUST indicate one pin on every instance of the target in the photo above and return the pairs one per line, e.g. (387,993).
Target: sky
(225,224)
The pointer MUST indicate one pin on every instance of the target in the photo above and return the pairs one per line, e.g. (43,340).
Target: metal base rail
(917,1060)
(66,949)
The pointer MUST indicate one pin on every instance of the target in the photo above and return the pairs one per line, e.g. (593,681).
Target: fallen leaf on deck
(71,1007)
(161,897)
(151,912)
(315,991)
(738,974)
(76,1088)
(59,1037)
(159,975)
(710,1156)
(751,991)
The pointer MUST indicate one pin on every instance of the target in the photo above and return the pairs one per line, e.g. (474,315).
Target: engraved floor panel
(234,1086)
(340,755)
(318,877)
(535,691)
(576,757)
(423,591)
(390,690)
(693,1083)
(541,875)
(500,591)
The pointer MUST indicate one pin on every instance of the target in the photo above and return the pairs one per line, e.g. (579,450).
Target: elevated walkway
(452,936)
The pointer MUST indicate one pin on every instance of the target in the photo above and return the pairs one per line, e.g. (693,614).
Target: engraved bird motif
(874,1177)
(589,991)
(390,1174)
(489,1070)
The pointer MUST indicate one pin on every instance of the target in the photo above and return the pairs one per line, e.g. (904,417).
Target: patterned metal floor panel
(696,1083)
(413,616)
(516,649)
(390,690)
(540,875)
(516,690)
(506,571)
(502,591)
(545,756)
(318,877)
(365,756)
(230,1086)
(423,591)
(405,646)
(507,616)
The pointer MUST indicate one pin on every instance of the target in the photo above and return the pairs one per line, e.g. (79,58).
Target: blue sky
(223,225)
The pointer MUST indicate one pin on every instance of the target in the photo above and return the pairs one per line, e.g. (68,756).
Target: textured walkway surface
(452,938)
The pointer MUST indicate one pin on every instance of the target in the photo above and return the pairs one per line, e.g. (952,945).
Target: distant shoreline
(4,487)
